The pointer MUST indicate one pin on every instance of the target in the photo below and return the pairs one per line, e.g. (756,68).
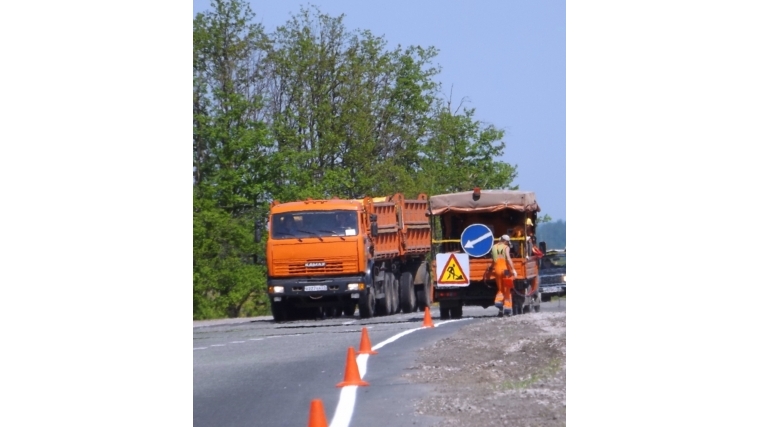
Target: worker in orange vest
(504,284)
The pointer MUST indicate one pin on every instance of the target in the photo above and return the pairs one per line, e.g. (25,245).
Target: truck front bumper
(553,284)
(552,289)
(317,291)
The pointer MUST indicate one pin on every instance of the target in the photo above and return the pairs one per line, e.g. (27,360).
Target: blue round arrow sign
(477,240)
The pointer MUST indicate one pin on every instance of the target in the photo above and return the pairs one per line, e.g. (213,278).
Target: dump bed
(403,227)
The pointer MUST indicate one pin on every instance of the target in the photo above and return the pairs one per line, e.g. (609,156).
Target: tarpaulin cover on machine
(487,201)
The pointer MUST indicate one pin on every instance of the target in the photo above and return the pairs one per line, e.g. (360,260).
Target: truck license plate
(315,288)
(552,289)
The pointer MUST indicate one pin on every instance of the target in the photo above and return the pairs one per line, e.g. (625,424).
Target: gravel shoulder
(500,371)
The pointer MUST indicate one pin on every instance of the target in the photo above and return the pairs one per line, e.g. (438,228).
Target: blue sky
(507,58)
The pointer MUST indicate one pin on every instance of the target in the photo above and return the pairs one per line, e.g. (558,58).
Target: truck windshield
(306,224)
(553,260)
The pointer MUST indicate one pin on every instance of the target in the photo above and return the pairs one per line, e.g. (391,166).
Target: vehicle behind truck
(553,270)
(496,213)
(328,257)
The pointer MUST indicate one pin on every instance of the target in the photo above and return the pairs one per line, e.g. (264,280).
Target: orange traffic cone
(428,321)
(351,376)
(317,414)
(365,347)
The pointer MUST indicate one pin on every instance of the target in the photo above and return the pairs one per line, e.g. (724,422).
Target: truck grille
(548,280)
(316,267)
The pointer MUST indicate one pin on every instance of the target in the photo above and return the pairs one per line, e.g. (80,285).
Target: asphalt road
(254,372)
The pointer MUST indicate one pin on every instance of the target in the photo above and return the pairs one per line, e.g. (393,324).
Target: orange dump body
(403,227)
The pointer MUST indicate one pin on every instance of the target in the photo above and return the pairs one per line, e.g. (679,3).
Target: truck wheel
(384,305)
(395,303)
(393,296)
(349,309)
(367,305)
(423,293)
(517,303)
(278,311)
(546,298)
(408,298)
(445,313)
(456,312)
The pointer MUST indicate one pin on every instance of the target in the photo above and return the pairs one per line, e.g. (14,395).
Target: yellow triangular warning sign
(452,273)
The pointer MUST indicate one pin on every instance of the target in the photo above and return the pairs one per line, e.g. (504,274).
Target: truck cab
(317,257)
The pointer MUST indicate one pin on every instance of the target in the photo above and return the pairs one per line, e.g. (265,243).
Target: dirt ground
(502,371)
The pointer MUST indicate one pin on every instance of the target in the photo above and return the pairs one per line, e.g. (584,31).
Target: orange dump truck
(461,268)
(326,257)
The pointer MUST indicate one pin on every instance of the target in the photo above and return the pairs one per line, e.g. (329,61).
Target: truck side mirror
(373,229)
(542,247)
(373,217)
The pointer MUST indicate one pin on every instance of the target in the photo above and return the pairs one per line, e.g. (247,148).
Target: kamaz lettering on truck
(326,257)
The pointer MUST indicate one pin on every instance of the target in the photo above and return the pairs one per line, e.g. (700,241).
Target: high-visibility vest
(499,251)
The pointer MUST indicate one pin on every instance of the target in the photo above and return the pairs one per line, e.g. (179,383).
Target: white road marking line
(200,348)
(345,409)
(217,345)
(361,362)
(283,336)
(255,339)
(237,342)
(394,338)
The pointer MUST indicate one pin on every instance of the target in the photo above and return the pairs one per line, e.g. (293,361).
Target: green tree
(553,233)
(460,153)
(347,114)
(230,168)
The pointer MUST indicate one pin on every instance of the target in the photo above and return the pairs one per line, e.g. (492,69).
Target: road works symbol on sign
(452,272)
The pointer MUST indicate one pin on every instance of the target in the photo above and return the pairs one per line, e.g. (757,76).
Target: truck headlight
(353,286)
(563,278)
(276,289)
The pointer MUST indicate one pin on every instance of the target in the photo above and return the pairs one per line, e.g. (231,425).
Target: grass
(546,372)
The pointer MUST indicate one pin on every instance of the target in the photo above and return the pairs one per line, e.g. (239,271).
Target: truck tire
(518,301)
(349,309)
(456,312)
(367,304)
(383,307)
(445,313)
(395,305)
(408,298)
(278,311)
(423,293)
(546,298)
